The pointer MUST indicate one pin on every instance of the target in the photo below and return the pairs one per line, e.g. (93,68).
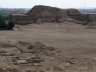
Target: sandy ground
(75,47)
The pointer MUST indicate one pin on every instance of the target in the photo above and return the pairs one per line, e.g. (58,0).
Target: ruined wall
(13,18)
(40,14)
(77,16)
(92,20)
(24,20)
(21,19)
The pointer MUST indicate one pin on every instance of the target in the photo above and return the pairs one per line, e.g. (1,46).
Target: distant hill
(14,10)
(88,11)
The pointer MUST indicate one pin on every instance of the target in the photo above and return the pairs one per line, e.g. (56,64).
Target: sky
(53,3)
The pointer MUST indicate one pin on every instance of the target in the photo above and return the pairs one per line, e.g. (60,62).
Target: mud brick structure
(39,14)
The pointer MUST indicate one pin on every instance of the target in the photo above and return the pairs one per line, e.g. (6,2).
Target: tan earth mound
(39,14)
(78,16)
(92,20)
(27,61)
(48,14)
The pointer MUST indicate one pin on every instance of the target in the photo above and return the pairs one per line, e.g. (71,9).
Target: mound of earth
(78,16)
(92,20)
(39,14)
(48,14)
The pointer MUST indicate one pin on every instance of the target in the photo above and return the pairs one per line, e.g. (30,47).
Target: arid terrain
(47,47)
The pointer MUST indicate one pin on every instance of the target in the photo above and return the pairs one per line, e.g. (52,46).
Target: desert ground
(47,47)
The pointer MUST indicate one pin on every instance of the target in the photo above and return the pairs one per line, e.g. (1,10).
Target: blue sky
(54,3)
